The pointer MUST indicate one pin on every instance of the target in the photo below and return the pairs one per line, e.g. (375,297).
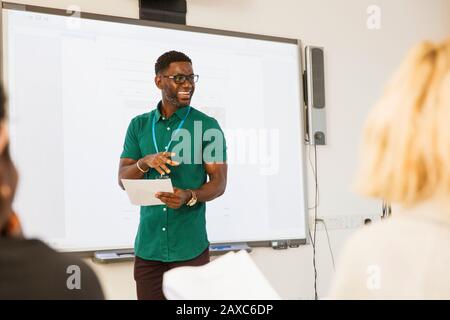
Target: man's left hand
(176,199)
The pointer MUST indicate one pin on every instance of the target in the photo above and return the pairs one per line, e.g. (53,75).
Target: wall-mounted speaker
(170,11)
(315,95)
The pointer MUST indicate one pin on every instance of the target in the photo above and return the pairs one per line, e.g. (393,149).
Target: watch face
(192,202)
(193,199)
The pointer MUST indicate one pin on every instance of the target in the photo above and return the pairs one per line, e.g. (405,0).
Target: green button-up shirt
(167,234)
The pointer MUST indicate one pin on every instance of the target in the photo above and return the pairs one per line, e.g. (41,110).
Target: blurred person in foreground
(29,269)
(406,161)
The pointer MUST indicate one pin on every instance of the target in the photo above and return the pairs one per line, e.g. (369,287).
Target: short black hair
(167,58)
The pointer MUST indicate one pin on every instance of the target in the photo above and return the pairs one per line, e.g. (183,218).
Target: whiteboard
(75,83)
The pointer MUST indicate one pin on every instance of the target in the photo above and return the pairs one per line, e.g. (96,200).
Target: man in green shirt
(180,142)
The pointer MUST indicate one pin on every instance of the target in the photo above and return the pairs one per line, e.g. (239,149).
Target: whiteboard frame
(99,17)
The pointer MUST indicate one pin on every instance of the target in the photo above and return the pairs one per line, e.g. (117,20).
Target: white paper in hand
(142,191)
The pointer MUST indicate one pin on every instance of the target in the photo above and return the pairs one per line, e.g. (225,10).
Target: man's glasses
(181,78)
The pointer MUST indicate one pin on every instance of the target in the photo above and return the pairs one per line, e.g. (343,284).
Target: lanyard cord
(176,131)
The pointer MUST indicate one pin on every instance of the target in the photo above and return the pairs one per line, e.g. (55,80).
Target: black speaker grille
(318,94)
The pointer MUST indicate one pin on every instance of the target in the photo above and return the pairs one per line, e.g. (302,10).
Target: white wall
(358,62)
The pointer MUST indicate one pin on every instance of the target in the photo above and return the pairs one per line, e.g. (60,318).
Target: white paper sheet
(233,276)
(142,191)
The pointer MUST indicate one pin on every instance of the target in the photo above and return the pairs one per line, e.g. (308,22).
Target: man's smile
(184,94)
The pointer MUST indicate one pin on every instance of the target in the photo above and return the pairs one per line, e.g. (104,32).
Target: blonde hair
(406,145)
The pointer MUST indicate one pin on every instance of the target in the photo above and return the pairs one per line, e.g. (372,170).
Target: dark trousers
(149,274)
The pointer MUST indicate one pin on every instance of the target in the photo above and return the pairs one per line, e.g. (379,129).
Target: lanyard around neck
(176,131)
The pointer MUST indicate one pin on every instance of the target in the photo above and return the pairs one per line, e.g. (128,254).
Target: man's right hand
(159,162)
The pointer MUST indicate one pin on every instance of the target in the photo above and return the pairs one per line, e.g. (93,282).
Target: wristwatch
(193,200)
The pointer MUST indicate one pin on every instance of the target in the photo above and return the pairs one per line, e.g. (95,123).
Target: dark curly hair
(167,58)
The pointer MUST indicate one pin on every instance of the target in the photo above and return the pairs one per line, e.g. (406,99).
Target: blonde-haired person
(406,160)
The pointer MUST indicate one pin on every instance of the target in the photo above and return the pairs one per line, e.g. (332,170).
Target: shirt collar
(157,112)
(180,113)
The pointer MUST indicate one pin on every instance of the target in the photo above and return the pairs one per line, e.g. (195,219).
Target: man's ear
(158,81)
(4,136)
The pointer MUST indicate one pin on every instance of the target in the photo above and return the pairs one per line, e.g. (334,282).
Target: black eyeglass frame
(192,78)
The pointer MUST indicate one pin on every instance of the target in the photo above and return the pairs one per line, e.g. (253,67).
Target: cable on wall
(316,204)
